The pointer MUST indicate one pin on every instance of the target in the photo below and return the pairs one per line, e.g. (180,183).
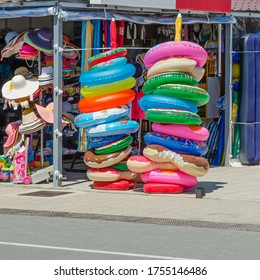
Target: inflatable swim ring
(168,78)
(100,161)
(176,144)
(120,166)
(89,105)
(120,185)
(103,90)
(96,142)
(113,128)
(94,78)
(195,94)
(157,101)
(193,165)
(192,132)
(108,55)
(140,164)
(100,117)
(198,73)
(173,64)
(115,146)
(109,174)
(176,49)
(172,116)
(169,177)
(162,188)
(107,65)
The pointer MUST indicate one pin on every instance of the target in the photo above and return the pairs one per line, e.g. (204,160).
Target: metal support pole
(228,93)
(57,96)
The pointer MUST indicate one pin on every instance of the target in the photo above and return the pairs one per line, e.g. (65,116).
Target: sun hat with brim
(47,113)
(24,72)
(10,36)
(41,39)
(28,51)
(70,119)
(13,47)
(19,88)
(30,122)
(12,133)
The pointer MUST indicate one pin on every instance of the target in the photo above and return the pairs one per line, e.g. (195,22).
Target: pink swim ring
(176,49)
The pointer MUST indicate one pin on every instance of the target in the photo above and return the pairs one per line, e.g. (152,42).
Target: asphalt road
(56,238)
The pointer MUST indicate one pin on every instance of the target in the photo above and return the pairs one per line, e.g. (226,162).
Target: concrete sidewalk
(232,196)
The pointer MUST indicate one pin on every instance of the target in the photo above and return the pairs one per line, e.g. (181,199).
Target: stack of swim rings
(173,157)
(106,91)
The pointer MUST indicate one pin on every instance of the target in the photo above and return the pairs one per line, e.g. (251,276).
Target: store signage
(213,6)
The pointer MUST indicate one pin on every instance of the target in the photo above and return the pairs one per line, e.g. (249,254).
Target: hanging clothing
(120,33)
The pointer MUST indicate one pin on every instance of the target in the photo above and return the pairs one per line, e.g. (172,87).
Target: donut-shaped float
(162,188)
(173,64)
(198,73)
(176,144)
(157,101)
(120,185)
(109,174)
(192,132)
(172,116)
(89,105)
(168,78)
(108,55)
(100,161)
(176,49)
(99,117)
(107,65)
(102,90)
(96,142)
(94,78)
(193,165)
(141,164)
(169,177)
(195,94)
(113,128)
(115,146)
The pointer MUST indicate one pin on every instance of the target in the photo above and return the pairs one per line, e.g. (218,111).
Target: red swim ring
(98,103)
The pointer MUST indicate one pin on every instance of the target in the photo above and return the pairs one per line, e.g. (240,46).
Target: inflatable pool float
(176,49)
(195,94)
(168,78)
(192,132)
(173,64)
(162,188)
(113,128)
(169,177)
(120,166)
(193,165)
(96,142)
(89,105)
(120,185)
(94,78)
(108,55)
(109,174)
(141,164)
(100,161)
(177,144)
(172,116)
(110,64)
(115,146)
(166,102)
(103,90)
(100,117)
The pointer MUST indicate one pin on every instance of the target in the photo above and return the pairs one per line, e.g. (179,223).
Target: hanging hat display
(28,51)
(10,36)
(19,88)
(12,133)
(41,39)
(30,122)
(24,72)
(47,113)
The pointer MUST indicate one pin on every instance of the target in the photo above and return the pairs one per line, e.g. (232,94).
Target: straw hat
(28,51)
(19,88)
(30,122)
(47,113)
(10,36)
(13,46)
(24,72)
(12,133)
(41,39)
